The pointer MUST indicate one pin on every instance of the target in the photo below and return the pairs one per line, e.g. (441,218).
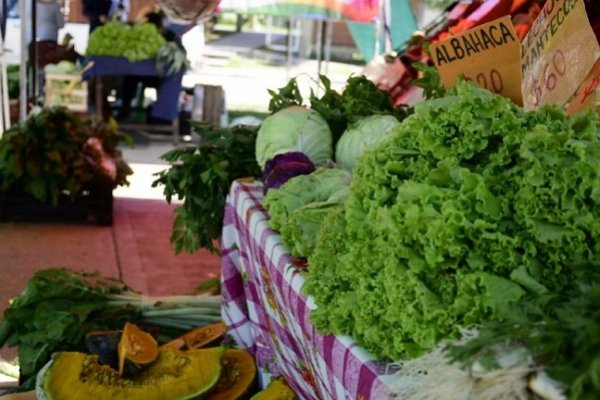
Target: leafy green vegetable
(134,42)
(58,307)
(360,136)
(171,59)
(298,207)
(299,233)
(319,186)
(560,330)
(50,152)
(471,205)
(430,81)
(201,176)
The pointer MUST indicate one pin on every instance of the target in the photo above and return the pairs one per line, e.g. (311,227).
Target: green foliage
(171,59)
(430,81)
(134,42)
(471,205)
(287,96)
(47,154)
(201,177)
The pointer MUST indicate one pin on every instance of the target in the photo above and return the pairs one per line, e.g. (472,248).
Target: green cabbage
(298,207)
(294,129)
(361,136)
(324,184)
(470,204)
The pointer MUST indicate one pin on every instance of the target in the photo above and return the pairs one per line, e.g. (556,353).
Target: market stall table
(267,313)
(166,106)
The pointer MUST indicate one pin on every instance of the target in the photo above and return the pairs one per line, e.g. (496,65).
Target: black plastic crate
(93,205)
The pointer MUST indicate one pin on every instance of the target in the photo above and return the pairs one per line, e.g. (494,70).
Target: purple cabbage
(284,167)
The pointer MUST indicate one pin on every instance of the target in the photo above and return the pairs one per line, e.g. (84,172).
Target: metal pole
(319,52)
(34,56)
(328,36)
(5,99)
(3,88)
(288,55)
(23,67)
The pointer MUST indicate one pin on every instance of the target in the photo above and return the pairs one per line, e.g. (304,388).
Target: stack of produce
(55,151)
(472,214)
(295,139)
(59,307)
(135,42)
(129,363)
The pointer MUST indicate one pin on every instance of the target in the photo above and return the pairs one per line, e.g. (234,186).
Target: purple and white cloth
(268,314)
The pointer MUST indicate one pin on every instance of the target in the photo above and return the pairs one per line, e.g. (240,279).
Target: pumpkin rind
(200,337)
(237,376)
(277,389)
(174,375)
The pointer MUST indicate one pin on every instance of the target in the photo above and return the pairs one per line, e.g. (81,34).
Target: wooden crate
(208,104)
(59,91)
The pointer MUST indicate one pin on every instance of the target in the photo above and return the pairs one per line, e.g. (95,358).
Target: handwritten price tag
(488,55)
(557,53)
(588,94)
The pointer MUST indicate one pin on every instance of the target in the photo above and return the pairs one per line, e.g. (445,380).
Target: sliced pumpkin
(202,336)
(174,375)
(277,389)
(136,346)
(237,377)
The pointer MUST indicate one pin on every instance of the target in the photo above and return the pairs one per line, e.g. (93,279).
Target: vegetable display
(54,150)
(472,205)
(294,129)
(360,98)
(135,42)
(59,307)
(174,375)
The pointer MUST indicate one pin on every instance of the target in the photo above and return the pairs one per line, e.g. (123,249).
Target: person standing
(96,11)
(49,19)
(119,10)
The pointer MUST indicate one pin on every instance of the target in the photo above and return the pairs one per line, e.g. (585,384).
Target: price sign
(488,55)
(557,54)
(588,94)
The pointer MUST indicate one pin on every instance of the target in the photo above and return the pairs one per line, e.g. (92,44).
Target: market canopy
(353,10)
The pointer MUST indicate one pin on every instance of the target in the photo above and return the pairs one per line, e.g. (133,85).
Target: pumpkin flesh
(237,376)
(277,389)
(136,346)
(175,375)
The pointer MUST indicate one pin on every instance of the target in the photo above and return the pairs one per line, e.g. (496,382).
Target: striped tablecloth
(269,315)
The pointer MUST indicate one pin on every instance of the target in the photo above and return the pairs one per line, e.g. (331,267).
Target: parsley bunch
(201,176)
